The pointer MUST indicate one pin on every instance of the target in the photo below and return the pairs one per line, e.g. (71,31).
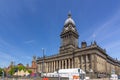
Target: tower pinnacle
(69,19)
(69,35)
(69,14)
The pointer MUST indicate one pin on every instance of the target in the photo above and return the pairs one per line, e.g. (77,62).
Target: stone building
(33,67)
(91,58)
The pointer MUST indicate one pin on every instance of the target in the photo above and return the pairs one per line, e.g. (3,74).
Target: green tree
(1,73)
(21,68)
(16,68)
(12,71)
(30,71)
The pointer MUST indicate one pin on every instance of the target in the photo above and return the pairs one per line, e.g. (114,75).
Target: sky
(27,26)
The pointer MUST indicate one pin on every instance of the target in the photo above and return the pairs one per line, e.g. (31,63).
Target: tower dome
(69,20)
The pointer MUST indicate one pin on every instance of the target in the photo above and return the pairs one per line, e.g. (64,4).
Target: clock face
(66,28)
(73,28)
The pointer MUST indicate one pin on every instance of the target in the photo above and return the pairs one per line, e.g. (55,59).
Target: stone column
(86,62)
(68,63)
(86,58)
(90,61)
(59,64)
(81,62)
(54,66)
(75,65)
(42,67)
(95,63)
(62,64)
(72,63)
(65,64)
(49,66)
(78,63)
(46,67)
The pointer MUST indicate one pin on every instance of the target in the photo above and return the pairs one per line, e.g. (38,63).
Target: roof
(73,70)
(69,20)
(20,64)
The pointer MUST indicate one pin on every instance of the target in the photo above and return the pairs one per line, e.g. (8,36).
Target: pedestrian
(45,78)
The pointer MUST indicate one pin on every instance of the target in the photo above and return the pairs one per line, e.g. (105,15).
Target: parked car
(118,77)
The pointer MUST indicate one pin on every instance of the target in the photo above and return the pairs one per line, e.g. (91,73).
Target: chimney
(12,63)
(27,65)
(34,58)
(83,44)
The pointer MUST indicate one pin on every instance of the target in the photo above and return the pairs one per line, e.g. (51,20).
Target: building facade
(33,67)
(91,58)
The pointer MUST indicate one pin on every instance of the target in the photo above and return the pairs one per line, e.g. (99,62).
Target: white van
(114,77)
(72,74)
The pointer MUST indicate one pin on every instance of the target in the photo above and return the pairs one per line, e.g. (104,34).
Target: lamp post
(91,73)
(2,72)
(58,74)
(2,75)
(43,62)
(79,73)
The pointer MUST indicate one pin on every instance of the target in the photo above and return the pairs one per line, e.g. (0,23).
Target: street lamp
(79,73)
(91,73)
(2,72)
(43,62)
(58,74)
(2,75)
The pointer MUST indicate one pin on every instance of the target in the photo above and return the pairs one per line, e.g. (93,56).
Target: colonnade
(52,66)
(82,62)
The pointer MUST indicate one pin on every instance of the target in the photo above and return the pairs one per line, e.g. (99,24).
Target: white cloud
(103,31)
(8,53)
(29,41)
(6,58)
(111,45)
(12,9)
(106,34)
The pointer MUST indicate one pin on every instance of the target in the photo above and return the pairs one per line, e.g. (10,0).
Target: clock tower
(69,36)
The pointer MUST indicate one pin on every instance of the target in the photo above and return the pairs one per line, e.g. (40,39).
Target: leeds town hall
(87,57)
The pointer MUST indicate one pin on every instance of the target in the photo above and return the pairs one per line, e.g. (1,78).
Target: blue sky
(27,26)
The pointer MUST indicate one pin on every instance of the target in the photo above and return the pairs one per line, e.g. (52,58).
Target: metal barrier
(35,78)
